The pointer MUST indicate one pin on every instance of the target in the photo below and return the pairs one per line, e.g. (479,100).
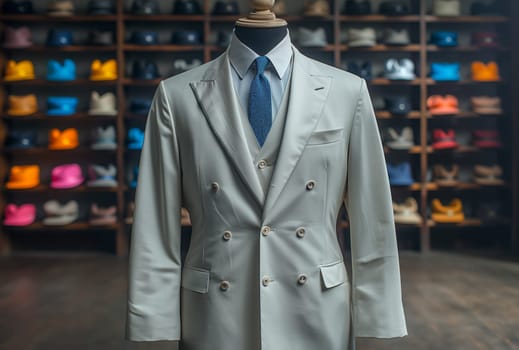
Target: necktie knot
(261,64)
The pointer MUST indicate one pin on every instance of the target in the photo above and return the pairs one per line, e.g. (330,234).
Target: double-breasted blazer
(264,270)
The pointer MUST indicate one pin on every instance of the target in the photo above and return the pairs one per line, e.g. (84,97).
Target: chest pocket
(322,137)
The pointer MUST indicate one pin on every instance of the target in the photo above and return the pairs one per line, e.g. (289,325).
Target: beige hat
(61,8)
(102,104)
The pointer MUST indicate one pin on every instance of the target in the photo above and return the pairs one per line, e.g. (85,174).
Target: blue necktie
(260,104)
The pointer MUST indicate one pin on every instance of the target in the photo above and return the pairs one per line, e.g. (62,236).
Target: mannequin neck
(261,40)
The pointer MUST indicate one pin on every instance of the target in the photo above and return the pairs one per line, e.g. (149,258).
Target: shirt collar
(241,56)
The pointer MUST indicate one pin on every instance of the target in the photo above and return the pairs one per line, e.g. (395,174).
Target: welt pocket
(333,274)
(195,279)
(325,136)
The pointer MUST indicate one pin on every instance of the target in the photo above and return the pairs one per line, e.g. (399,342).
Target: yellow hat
(103,71)
(23,70)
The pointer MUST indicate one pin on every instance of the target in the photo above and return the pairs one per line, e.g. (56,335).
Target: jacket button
(301,279)
(310,185)
(262,164)
(224,285)
(215,186)
(265,281)
(227,235)
(265,230)
(300,232)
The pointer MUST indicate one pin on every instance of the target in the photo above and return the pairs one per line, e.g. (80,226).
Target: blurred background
(77,82)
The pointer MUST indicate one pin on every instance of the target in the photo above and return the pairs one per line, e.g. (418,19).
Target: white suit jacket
(263,270)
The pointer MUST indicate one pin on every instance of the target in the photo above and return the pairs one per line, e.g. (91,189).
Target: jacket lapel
(216,97)
(308,93)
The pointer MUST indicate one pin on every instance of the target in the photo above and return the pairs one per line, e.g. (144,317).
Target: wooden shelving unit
(335,53)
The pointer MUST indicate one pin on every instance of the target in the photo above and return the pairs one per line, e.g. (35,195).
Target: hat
(61,105)
(15,71)
(22,215)
(104,138)
(102,104)
(100,7)
(17,37)
(145,7)
(61,72)
(101,176)
(23,177)
(59,38)
(66,176)
(12,7)
(98,37)
(317,8)
(145,70)
(188,7)
(60,8)
(21,138)
(103,71)
(62,140)
(226,8)
(22,105)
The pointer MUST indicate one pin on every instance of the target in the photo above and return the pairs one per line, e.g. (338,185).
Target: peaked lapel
(220,106)
(308,93)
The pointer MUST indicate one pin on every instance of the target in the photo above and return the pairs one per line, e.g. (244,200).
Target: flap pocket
(333,274)
(325,136)
(195,279)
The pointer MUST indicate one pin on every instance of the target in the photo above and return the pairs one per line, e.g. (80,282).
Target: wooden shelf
(46,151)
(462,186)
(75,226)
(77,82)
(71,48)
(379,18)
(163,48)
(463,115)
(466,19)
(382,48)
(164,18)
(138,82)
(434,48)
(389,115)
(384,81)
(463,82)
(78,189)
(83,116)
(45,18)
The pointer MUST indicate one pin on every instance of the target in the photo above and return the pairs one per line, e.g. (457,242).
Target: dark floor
(452,303)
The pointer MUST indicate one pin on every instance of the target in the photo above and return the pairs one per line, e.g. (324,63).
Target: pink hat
(23,215)
(66,176)
(17,37)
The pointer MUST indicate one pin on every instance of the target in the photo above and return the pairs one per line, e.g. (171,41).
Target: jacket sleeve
(377,309)
(153,308)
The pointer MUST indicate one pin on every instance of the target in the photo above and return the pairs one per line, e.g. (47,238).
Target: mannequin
(261,30)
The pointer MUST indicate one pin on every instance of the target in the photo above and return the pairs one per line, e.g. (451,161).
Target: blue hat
(444,71)
(140,105)
(444,39)
(61,105)
(21,139)
(135,138)
(59,38)
(135,176)
(400,174)
(58,72)
(186,37)
(144,38)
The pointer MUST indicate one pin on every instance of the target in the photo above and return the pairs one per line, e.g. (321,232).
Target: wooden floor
(452,302)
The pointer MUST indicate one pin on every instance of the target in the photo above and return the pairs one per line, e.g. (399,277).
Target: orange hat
(103,71)
(22,105)
(439,105)
(23,70)
(66,139)
(23,176)
(485,72)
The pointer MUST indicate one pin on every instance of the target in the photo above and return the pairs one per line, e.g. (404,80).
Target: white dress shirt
(277,72)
